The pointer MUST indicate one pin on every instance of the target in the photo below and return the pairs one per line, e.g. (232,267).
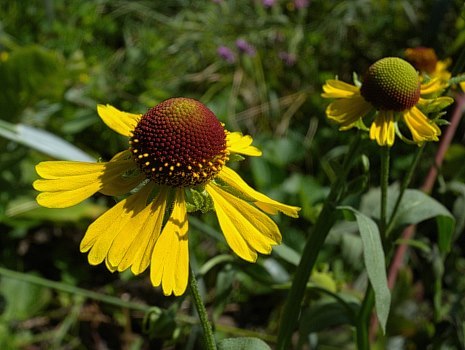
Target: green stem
(403,187)
(363,319)
(385,155)
(71,289)
(310,252)
(202,312)
(66,288)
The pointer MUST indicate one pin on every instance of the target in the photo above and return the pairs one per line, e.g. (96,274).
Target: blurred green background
(259,65)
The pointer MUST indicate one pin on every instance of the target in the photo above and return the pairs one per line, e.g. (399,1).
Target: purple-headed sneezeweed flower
(245,47)
(177,150)
(227,54)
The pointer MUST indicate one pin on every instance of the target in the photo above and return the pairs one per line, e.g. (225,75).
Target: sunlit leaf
(373,255)
(243,344)
(43,141)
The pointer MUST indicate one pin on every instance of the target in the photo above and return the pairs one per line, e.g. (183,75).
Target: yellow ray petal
(420,126)
(382,129)
(339,89)
(131,231)
(120,175)
(62,168)
(139,252)
(102,232)
(122,122)
(65,199)
(347,111)
(265,203)
(434,85)
(65,184)
(238,143)
(170,257)
(246,229)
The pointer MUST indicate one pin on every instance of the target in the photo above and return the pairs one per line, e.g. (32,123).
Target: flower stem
(210,343)
(312,247)
(363,319)
(403,187)
(385,155)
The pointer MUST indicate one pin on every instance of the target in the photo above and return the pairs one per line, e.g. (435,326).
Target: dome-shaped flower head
(175,149)
(392,89)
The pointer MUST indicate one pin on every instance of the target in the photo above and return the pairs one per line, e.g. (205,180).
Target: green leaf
(373,256)
(287,253)
(436,105)
(415,207)
(248,343)
(326,314)
(458,188)
(43,141)
(23,299)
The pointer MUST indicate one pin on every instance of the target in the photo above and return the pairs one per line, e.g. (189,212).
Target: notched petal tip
(265,203)
(121,122)
(242,144)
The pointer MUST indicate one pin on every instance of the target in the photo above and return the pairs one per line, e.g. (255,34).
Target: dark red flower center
(179,143)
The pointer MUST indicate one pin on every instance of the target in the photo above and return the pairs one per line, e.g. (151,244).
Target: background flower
(392,87)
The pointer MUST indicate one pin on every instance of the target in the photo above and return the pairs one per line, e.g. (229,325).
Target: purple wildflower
(268,3)
(245,47)
(300,4)
(226,54)
(288,58)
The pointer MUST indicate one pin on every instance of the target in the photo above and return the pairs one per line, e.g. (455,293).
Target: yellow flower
(425,60)
(176,146)
(391,88)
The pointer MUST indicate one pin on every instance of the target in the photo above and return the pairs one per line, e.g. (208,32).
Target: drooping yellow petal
(347,111)
(382,129)
(120,175)
(338,89)
(139,253)
(170,257)
(420,126)
(238,143)
(138,233)
(246,229)
(101,233)
(441,70)
(265,203)
(122,122)
(65,183)
(433,86)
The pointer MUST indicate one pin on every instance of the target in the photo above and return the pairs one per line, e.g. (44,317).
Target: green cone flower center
(179,143)
(391,84)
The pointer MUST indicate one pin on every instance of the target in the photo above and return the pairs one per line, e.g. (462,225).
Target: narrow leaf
(373,256)
(243,344)
(414,208)
(42,141)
